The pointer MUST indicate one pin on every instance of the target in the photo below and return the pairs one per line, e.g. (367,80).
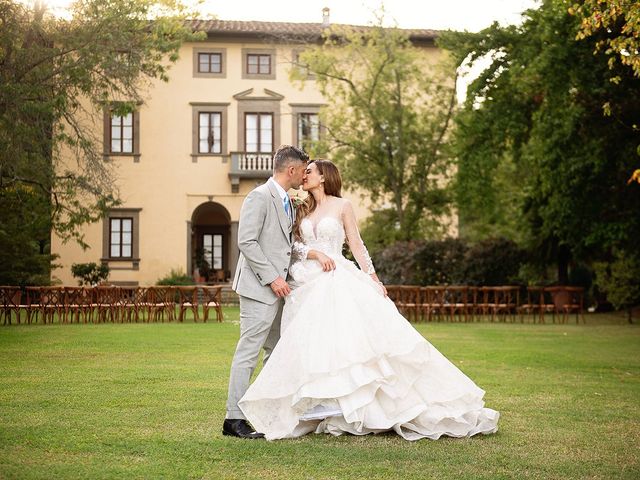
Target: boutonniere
(296,201)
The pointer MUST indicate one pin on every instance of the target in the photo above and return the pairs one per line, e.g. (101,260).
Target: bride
(347,361)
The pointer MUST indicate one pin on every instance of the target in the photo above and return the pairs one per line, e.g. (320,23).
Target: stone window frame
(120,243)
(244,126)
(211,117)
(209,107)
(259,64)
(120,129)
(317,122)
(134,259)
(297,108)
(196,63)
(106,134)
(253,105)
(259,51)
(211,56)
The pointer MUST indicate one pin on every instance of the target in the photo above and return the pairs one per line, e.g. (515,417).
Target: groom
(264,239)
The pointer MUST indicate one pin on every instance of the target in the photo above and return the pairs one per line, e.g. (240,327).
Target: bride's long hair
(332,186)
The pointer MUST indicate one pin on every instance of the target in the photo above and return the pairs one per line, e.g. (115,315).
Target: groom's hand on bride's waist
(280,287)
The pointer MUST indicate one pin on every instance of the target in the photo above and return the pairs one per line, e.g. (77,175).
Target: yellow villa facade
(186,160)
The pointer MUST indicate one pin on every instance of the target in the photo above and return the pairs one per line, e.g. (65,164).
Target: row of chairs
(109,303)
(502,303)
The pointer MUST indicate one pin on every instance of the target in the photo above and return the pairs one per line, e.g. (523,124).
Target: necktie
(287,207)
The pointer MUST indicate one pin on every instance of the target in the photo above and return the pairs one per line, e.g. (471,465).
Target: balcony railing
(252,162)
(249,165)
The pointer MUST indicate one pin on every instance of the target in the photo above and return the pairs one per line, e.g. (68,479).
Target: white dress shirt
(283,195)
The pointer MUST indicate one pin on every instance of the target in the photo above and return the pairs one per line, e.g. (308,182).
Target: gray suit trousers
(259,327)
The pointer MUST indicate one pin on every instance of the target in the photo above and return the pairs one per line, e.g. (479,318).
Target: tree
(532,122)
(619,280)
(617,24)
(25,257)
(54,75)
(90,274)
(386,122)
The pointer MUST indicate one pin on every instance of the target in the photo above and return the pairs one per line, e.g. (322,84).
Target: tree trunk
(563,265)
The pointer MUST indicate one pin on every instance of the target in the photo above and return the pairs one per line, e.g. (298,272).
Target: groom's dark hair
(287,154)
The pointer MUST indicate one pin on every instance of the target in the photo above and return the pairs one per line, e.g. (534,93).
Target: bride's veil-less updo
(332,186)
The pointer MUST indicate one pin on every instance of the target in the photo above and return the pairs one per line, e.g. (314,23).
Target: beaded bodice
(326,231)
(327,236)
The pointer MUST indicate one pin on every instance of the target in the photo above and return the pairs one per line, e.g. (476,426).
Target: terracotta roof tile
(286,29)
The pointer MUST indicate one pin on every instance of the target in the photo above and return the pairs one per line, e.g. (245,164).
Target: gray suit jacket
(264,240)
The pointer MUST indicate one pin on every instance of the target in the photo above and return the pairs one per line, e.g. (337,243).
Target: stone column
(189,247)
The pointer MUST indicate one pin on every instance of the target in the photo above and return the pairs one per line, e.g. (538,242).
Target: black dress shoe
(239,428)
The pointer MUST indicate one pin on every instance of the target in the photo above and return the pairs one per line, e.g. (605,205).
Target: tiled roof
(286,29)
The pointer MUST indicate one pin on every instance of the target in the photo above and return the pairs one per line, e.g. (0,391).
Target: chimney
(325,17)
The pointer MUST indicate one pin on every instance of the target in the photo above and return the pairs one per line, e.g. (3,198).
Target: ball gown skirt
(349,362)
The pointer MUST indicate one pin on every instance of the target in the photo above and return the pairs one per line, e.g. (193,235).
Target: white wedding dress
(348,361)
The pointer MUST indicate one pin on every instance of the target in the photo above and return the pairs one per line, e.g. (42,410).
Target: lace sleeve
(300,251)
(356,245)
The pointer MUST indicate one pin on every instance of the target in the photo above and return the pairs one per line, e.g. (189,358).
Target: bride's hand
(383,289)
(326,262)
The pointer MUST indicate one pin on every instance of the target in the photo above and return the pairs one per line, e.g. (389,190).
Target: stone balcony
(249,165)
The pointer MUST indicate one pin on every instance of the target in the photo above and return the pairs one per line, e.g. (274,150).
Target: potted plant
(202,266)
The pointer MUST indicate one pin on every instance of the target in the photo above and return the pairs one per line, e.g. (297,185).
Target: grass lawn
(147,401)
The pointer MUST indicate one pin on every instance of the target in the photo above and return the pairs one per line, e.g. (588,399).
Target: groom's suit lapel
(282,216)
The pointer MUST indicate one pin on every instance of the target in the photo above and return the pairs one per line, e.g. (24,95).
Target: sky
(472,15)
